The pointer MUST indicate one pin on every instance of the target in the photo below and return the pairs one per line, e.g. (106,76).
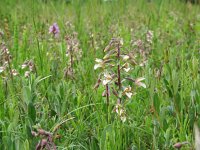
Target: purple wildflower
(54,29)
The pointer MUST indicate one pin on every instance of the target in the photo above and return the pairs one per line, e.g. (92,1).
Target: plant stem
(71,61)
(118,69)
(107,99)
(6,88)
(10,71)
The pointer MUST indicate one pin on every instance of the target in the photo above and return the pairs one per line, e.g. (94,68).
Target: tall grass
(157,117)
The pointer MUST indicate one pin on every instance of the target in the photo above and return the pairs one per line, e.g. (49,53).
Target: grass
(157,117)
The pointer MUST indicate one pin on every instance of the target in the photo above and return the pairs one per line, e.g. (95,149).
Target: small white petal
(139,79)
(14,72)
(27,74)
(108,76)
(117,110)
(123,118)
(125,57)
(128,94)
(142,84)
(106,56)
(2,69)
(121,111)
(98,60)
(127,89)
(97,66)
(24,66)
(106,82)
(127,69)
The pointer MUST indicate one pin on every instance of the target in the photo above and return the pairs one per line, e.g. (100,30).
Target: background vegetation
(157,117)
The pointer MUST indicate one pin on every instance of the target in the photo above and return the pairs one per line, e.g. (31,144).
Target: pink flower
(54,29)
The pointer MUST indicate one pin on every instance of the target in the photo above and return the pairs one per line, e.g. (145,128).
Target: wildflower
(54,29)
(127,92)
(73,52)
(100,63)
(24,65)
(132,60)
(2,69)
(123,117)
(143,63)
(5,51)
(47,140)
(138,43)
(149,36)
(113,44)
(114,62)
(42,144)
(110,53)
(14,72)
(180,144)
(27,74)
(34,133)
(126,67)
(30,64)
(125,57)
(121,112)
(107,79)
(139,83)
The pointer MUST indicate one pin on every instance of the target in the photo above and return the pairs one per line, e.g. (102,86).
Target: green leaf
(175,81)
(28,131)
(31,112)
(107,130)
(168,88)
(26,145)
(156,102)
(27,94)
(177,102)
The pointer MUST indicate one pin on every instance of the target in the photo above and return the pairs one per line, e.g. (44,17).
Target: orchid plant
(73,53)
(31,67)
(142,48)
(54,30)
(116,67)
(5,61)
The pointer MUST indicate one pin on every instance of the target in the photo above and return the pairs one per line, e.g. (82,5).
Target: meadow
(99,75)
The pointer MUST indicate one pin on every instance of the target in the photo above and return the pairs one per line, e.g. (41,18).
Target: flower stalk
(74,54)
(107,100)
(118,69)
(115,67)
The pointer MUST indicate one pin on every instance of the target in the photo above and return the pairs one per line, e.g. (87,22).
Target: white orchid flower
(100,63)
(127,92)
(107,79)
(126,67)
(139,83)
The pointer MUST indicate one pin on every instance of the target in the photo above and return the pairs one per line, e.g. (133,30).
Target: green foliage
(157,117)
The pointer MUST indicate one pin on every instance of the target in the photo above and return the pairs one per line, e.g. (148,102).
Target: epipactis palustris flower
(128,91)
(139,83)
(126,67)
(107,78)
(100,63)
